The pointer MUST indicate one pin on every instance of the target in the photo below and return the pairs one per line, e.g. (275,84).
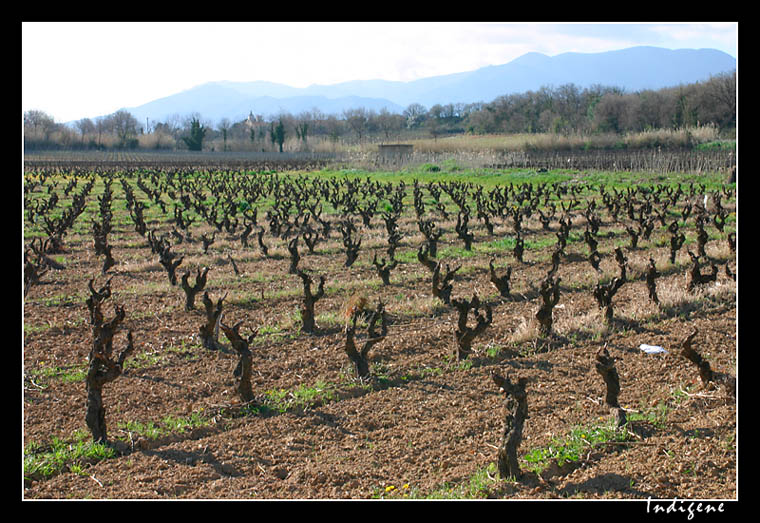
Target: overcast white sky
(76,70)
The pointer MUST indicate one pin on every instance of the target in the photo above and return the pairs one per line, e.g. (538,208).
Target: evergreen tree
(279,134)
(194,142)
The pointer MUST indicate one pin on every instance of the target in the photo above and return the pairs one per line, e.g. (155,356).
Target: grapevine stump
(209,331)
(706,373)
(102,367)
(500,282)
(242,372)
(464,335)
(605,366)
(549,298)
(190,292)
(517,413)
(309,299)
(603,293)
(359,357)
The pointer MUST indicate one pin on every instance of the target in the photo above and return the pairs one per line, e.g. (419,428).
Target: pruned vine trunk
(442,286)
(102,367)
(676,242)
(294,256)
(697,277)
(190,292)
(168,259)
(464,335)
(351,244)
(549,292)
(243,369)
(706,373)
(310,238)
(605,366)
(594,258)
(500,282)
(622,261)
(463,231)
(423,257)
(209,331)
(603,293)
(207,241)
(260,240)
(516,414)
(651,278)
(309,299)
(427,227)
(384,269)
(359,357)
(519,248)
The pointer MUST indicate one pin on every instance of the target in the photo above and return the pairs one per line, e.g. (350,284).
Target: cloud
(720,35)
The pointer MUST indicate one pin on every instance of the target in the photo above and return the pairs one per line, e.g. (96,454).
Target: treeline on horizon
(563,110)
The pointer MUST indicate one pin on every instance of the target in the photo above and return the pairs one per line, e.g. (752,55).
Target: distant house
(394,152)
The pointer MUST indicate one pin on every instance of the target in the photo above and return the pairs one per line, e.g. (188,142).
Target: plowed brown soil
(425,424)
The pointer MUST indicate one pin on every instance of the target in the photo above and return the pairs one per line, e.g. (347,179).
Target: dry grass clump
(586,324)
(525,332)
(496,143)
(417,305)
(684,137)
(156,140)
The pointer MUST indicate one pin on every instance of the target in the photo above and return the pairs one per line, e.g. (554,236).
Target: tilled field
(424,424)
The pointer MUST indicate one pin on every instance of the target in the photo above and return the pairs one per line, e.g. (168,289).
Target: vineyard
(271,333)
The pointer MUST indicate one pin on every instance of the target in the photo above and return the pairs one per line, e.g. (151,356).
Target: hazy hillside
(632,69)
(217,100)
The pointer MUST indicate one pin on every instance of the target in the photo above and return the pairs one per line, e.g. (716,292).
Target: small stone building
(393,153)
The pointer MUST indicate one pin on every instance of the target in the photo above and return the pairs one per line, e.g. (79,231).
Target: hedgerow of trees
(567,109)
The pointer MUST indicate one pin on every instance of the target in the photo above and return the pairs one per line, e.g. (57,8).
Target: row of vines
(653,160)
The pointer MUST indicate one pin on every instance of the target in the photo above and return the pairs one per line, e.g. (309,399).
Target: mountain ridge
(632,69)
